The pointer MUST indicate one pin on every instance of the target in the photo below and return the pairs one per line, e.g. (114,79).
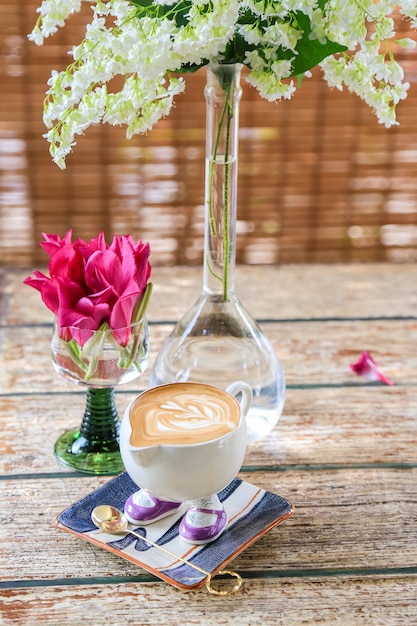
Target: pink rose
(93,283)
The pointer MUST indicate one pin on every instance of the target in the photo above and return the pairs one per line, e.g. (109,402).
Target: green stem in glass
(226,207)
(94,447)
(227,112)
(226,107)
(222,94)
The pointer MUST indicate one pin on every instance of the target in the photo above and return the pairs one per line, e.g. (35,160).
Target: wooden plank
(346,425)
(310,353)
(276,292)
(342,519)
(318,427)
(374,601)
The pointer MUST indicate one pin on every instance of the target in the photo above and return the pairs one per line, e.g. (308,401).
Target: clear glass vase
(98,360)
(217,341)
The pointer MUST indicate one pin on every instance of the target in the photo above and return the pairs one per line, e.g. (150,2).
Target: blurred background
(319,179)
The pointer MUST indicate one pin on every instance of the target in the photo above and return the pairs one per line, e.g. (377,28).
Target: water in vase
(217,343)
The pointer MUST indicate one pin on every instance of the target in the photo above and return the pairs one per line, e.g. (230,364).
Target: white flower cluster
(150,43)
(369,70)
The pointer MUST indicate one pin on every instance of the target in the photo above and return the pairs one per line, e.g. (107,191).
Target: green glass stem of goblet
(93,448)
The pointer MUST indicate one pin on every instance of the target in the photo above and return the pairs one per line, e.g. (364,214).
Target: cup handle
(241,387)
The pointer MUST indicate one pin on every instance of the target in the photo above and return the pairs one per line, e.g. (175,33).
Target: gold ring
(225,592)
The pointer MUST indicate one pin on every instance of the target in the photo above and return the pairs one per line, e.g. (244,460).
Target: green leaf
(142,305)
(406,42)
(191,67)
(236,50)
(311,51)
(142,3)
(179,11)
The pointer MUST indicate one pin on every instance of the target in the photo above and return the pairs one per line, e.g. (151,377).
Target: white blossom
(131,41)
(53,13)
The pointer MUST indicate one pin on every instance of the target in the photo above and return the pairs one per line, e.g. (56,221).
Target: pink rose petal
(366,366)
(93,283)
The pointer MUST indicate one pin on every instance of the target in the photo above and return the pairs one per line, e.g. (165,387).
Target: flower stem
(226,208)
(226,114)
(213,159)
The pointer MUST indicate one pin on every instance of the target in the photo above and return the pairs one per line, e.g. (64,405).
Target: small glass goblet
(98,360)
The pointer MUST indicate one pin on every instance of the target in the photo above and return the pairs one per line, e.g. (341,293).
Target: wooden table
(344,453)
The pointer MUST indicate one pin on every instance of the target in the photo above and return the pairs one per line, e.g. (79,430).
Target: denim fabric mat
(252,512)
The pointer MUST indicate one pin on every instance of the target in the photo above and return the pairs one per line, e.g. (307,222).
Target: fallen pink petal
(367,366)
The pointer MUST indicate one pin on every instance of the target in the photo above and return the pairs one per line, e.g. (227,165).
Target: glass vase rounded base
(69,451)
(217,343)
(93,448)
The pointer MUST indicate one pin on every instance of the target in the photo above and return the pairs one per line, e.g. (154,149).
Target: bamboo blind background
(319,179)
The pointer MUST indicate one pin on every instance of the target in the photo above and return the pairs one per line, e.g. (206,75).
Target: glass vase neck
(222,94)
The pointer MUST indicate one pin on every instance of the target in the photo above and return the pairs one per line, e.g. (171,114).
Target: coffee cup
(185,441)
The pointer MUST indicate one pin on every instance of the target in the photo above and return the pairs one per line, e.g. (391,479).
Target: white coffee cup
(185,441)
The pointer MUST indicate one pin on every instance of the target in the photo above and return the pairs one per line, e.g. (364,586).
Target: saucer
(251,513)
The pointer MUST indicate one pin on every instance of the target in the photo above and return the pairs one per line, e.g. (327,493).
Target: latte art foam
(182,414)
